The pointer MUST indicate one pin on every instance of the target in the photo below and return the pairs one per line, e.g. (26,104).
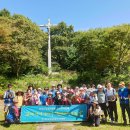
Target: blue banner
(53,113)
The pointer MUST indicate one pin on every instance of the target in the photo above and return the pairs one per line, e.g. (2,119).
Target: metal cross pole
(48,26)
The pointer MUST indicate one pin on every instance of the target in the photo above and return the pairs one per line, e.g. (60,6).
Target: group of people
(100,100)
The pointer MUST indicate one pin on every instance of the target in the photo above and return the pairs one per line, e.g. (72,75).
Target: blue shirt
(43,99)
(11,115)
(123,95)
(7,99)
(60,90)
(53,93)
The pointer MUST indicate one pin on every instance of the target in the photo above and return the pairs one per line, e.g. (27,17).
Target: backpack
(104,91)
(113,93)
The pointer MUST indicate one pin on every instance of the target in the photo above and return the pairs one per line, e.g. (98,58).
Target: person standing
(112,98)
(124,101)
(58,98)
(50,100)
(101,95)
(27,99)
(19,99)
(129,94)
(59,88)
(8,99)
(53,90)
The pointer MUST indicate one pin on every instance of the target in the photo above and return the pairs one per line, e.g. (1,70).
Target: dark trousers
(104,108)
(113,110)
(95,120)
(125,107)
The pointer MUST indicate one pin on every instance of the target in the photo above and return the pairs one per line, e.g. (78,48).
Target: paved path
(1,105)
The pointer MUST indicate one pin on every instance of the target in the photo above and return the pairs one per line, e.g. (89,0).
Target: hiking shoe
(112,122)
(93,124)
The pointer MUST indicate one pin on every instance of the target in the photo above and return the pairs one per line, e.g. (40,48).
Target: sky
(82,14)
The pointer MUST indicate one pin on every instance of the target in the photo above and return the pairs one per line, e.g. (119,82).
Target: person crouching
(95,113)
(13,114)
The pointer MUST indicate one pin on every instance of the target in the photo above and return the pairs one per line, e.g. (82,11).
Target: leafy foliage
(20,44)
(96,55)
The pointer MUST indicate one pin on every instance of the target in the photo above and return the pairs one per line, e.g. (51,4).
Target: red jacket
(49,101)
(65,102)
(76,100)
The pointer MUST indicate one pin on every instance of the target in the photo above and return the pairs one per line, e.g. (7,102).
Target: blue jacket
(43,99)
(53,93)
(9,100)
(123,95)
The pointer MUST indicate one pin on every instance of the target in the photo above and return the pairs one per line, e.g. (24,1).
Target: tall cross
(48,26)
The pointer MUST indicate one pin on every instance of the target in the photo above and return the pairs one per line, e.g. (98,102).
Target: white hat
(65,94)
(58,92)
(99,86)
(81,88)
(50,93)
(39,89)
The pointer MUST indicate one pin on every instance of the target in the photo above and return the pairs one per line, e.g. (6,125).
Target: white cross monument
(48,26)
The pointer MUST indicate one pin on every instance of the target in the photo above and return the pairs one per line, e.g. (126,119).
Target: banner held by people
(53,113)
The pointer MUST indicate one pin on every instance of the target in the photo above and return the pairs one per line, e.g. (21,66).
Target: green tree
(20,44)
(4,13)
(60,43)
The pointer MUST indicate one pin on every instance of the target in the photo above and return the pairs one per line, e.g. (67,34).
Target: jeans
(95,120)
(125,107)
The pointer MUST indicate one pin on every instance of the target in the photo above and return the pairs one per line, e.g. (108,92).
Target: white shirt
(110,92)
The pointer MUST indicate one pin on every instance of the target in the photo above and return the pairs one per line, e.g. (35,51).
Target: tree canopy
(96,55)
(20,44)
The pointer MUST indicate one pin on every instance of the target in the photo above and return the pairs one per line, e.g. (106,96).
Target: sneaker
(93,124)
(112,122)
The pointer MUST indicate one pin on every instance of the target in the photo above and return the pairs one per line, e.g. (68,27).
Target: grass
(19,127)
(37,80)
(42,81)
(65,126)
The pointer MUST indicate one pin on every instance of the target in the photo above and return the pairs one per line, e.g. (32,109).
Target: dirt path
(1,105)
(56,126)
(45,127)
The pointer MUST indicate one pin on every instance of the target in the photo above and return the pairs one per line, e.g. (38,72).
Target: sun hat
(99,86)
(122,83)
(81,89)
(50,93)
(19,91)
(58,92)
(46,88)
(39,88)
(53,85)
